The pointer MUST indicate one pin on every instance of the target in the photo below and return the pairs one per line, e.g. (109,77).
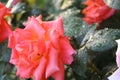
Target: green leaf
(2,65)
(5,52)
(103,40)
(113,3)
(72,22)
(79,65)
(88,34)
(7,72)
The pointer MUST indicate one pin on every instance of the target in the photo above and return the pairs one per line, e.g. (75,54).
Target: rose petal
(118,53)
(40,70)
(34,26)
(115,75)
(14,57)
(52,65)
(59,75)
(5,30)
(55,25)
(67,51)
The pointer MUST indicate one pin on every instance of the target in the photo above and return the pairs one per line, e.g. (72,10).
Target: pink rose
(40,49)
(5,29)
(116,74)
(96,11)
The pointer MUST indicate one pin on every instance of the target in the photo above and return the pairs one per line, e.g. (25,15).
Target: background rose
(40,49)
(5,29)
(96,11)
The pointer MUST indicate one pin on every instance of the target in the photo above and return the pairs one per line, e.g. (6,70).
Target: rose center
(36,57)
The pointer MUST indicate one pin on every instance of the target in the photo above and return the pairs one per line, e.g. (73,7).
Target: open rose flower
(116,74)
(40,49)
(96,11)
(5,28)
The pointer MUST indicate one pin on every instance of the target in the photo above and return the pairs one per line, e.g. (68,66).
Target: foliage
(95,44)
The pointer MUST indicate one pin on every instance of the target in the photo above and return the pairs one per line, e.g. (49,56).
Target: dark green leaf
(79,65)
(103,40)
(5,52)
(88,33)
(113,3)
(7,72)
(72,23)
(2,65)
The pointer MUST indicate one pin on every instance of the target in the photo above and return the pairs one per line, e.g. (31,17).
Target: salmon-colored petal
(54,25)
(67,50)
(35,26)
(5,30)
(59,75)
(39,73)
(52,65)
(25,35)
(41,43)
(54,38)
(24,67)
(24,72)
(11,41)
(14,57)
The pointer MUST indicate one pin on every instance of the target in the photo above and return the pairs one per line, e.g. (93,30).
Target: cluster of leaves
(95,58)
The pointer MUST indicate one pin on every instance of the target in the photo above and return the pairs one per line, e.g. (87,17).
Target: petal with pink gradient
(59,75)
(52,65)
(118,53)
(67,51)
(115,75)
(39,73)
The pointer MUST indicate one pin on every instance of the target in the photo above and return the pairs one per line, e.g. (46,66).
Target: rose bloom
(96,11)
(40,49)
(116,74)
(5,28)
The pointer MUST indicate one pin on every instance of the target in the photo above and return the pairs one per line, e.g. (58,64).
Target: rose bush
(96,11)
(40,49)
(5,28)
